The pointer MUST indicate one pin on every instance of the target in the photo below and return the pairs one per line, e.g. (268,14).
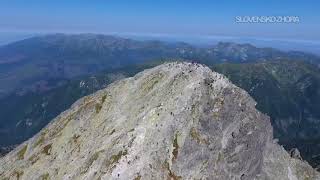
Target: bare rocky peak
(175,121)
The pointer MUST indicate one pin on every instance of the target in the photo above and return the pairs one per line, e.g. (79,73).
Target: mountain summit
(174,121)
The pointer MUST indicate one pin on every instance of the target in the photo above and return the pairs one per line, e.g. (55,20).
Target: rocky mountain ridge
(174,121)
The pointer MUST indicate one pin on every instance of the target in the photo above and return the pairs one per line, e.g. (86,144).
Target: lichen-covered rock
(175,121)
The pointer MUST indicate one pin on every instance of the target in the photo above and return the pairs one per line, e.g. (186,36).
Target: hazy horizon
(282,44)
(192,18)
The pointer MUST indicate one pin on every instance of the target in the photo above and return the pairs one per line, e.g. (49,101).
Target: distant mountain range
(37,86)
(27,65)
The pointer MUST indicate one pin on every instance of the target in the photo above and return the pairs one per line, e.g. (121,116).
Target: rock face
(175,121)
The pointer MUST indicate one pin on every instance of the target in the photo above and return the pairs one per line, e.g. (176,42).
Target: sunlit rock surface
(175,121)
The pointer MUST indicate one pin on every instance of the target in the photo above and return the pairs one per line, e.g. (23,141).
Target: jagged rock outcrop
(175,121)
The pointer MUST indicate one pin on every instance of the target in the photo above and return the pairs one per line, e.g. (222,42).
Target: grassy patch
(149,84)
(90,161)
(116,157)
(47,149)
(40,140)
(22,152)
(220,156)
(196,136)
(103,98)
(34,158)
(98,107)
(171,174)
(138,177)
(175,147)
(17,174)
(45,176)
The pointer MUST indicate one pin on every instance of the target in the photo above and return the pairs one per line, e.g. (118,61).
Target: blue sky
(188,17)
